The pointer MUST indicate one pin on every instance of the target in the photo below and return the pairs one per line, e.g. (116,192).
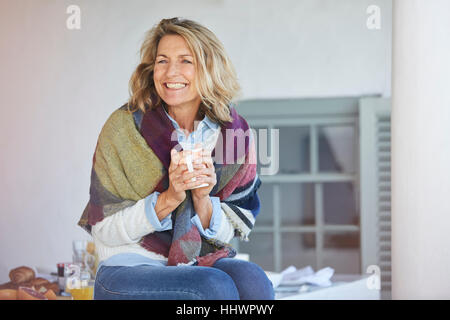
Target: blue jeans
(227,279)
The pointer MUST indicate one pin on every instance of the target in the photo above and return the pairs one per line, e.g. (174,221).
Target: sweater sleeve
(129,225)
(220,227)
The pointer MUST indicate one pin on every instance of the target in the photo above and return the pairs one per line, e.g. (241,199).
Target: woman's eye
(165,61)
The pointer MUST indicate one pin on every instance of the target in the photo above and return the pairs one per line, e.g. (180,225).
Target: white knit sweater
(122,231)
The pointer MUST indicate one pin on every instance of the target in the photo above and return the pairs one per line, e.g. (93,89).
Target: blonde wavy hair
(216,78)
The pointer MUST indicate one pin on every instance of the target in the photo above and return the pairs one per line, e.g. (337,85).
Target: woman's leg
(250,280)
(145,282)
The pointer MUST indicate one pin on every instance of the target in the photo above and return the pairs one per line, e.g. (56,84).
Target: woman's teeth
(175,85)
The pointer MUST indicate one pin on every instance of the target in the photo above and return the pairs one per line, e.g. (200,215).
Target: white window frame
(311,113)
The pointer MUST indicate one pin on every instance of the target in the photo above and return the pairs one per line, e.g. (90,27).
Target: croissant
(21,274)
(38,282)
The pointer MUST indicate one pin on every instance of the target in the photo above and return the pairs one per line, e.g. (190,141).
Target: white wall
(58,86)
(420,151)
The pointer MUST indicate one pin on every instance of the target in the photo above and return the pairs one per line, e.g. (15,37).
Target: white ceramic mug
(194,153)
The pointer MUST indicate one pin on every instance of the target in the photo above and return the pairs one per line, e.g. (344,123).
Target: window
(329,202)
(310,207)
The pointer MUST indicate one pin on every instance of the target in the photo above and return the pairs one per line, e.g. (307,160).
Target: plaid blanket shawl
(131,161)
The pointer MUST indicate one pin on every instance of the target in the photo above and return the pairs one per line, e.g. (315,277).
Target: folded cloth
(131,161)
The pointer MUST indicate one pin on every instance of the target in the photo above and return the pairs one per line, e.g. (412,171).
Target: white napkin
(294,276)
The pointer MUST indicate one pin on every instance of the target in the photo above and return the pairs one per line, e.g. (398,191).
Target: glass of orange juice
(85,292)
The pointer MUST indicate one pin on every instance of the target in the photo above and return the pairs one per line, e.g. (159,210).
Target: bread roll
(21,274)
(8,294)
(39,282)
(9,285)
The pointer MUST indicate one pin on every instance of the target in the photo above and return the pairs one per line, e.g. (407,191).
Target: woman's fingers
(209,163)
(203,170)
(175,158)
(183,169)
(198,172)
(201,176)
(206,156)
(193,184)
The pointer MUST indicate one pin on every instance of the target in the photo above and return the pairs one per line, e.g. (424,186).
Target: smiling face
(174,73)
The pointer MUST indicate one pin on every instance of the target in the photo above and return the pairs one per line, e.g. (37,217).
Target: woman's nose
(172,69)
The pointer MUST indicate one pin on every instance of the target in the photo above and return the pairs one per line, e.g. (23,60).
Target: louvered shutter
(375,182)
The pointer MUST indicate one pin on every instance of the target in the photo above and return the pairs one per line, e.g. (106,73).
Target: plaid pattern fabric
(131,161)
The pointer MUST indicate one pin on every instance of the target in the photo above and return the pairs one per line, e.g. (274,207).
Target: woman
(162,230)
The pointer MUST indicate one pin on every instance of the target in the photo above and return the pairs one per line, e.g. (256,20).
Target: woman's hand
(170,199)
(205,173)
(178,178)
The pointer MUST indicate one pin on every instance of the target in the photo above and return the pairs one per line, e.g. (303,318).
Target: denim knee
(250,279)
(259,287)
(215,284)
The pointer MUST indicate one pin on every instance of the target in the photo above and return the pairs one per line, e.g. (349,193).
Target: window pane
(341,239)
(342,252)
(339,203)
(297,204)
(294,150)
(298,250)
(336,149)
(265,157)
(260,249)
(265,216)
